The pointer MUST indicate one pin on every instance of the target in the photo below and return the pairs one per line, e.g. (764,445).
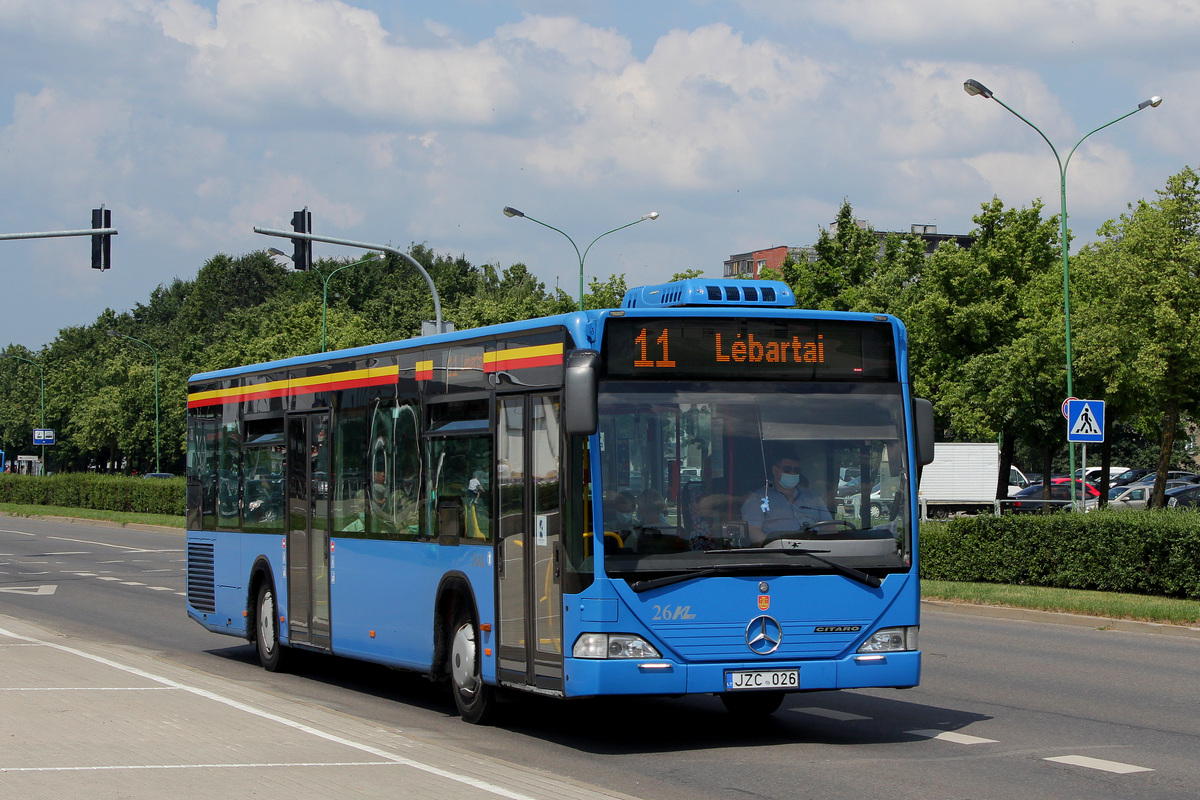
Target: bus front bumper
(596,677)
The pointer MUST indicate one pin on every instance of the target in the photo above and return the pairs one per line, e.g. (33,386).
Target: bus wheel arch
(263,623)
(458,651)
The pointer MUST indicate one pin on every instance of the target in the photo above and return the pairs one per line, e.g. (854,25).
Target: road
(1005,708)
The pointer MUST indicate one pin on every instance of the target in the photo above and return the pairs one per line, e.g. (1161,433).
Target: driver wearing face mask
(785,505)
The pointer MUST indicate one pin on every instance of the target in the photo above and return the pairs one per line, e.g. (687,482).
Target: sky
(745,125)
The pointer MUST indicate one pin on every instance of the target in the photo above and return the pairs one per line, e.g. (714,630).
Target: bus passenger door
(308,529)
(530,541)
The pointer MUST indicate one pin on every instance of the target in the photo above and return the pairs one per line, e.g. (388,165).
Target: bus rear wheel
(266,639)
(752,704)
(476,701)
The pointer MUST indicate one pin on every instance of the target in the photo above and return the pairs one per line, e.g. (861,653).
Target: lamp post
(116,335)
(325,284)
(509,211)
(977,89)
(42,375)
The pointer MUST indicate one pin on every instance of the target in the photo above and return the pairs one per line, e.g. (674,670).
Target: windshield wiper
(667,580)
(842,569)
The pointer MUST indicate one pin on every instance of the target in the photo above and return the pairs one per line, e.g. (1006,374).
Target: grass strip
(1114,605)
(118,517)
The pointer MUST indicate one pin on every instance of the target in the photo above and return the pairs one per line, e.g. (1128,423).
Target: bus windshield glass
(702,472)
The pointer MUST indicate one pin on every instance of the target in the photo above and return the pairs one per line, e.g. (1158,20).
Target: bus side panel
(386,613)
(217,581)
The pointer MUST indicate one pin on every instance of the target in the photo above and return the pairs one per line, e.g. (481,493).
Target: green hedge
(1142,552)
(102,492)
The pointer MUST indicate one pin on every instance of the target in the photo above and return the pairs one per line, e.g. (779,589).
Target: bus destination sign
(749,349)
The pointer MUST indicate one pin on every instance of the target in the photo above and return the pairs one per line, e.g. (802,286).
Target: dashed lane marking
(1100,764)
(829,713)
(951,736)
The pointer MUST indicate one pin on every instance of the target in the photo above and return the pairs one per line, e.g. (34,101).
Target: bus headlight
(891,640)
(613,645)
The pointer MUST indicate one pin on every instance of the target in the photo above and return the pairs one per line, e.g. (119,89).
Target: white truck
(962,479)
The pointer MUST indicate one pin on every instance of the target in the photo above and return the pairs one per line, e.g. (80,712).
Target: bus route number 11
(643,342)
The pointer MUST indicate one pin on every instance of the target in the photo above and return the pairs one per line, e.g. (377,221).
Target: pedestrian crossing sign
(1085,421)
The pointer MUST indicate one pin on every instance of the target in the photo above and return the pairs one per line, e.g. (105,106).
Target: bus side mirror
(580,417)
(923,428)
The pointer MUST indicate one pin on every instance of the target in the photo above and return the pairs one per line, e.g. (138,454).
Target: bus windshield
(694,473)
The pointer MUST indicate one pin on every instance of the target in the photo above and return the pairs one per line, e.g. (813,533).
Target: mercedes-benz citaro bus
(706,491)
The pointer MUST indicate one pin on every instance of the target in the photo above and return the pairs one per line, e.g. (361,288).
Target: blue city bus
(706,491)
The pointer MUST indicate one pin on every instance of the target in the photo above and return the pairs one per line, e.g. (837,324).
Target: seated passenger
(651,509)
(619,511)
(785,505)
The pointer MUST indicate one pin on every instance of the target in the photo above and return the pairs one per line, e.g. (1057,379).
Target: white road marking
(160,588)
(829,713)
(102,544)
(131,583)
(216,766)
(107,578)
(20,533)
(33,590)
(83,574)
(1099,763)
(84,688)
(384,755)
(951,736)
(71,553)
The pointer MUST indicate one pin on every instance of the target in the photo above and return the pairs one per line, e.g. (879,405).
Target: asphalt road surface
(1005,708)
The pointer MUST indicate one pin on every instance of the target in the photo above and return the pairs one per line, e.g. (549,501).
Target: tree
(1142,318)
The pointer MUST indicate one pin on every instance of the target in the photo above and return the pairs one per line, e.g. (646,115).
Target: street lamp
(977,89)
(116,335)
(325,283)
(325,289)
(42,374)
(509,211)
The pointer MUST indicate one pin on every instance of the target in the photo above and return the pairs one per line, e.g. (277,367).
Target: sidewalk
(83,719)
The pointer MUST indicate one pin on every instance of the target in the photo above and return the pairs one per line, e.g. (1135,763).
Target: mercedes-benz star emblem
(764,635)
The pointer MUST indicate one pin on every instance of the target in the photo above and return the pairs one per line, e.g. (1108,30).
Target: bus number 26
(662,613)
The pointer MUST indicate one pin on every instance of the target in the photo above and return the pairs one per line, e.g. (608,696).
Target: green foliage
(1136,551)
(103,492)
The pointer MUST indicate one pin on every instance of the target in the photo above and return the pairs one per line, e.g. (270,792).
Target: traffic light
(302,248)
(101,244)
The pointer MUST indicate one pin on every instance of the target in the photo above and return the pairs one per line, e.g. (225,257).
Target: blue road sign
(43,436)
(1085,421)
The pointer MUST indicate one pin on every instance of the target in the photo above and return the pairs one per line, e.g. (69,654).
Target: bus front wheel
(752,704)
(476,701)
(266,639)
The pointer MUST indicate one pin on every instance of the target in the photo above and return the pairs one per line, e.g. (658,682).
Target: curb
(1062,618)
(99,523)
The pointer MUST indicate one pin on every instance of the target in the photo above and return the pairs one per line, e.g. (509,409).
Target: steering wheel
(821,527)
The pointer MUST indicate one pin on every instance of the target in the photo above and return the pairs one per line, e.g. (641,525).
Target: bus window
(394,460)
(459,489)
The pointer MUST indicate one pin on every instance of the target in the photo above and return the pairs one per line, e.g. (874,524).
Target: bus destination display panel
(749,349)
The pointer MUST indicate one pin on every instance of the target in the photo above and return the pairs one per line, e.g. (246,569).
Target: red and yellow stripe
(354,379)
(546,355)
(424,371)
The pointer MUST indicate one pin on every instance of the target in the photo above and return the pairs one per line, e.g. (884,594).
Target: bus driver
(783,506)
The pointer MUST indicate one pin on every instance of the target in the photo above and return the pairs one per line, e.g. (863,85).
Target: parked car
(1029,500)
(163,475)
(1128,476)
(1096,473)
(1130,496)
(1172,475)
(1184,496)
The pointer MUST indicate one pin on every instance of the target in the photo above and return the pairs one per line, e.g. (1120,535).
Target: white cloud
(255,58)
(704,107)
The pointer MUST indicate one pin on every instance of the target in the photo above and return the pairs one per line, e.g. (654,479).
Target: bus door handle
(557,560)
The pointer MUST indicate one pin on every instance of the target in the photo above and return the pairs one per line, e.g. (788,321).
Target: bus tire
(266,638)
(476,701)
(752,704)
